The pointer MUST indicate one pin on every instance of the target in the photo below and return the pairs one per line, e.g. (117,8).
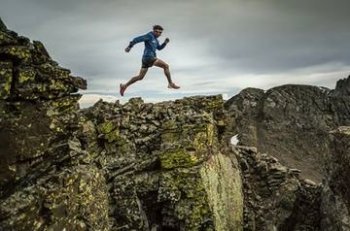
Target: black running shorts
(148,62)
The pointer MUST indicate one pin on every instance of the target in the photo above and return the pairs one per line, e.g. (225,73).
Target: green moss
(169,124)
(215,104)
(177,158)
(6,88)
(25,75)
(5,79)
(113,136)
(19,52)
(55,72)
(189,205)
(110,132)
(114,139)
(71,199)
(78,193)
(106,127)
(59,106)
(57,85)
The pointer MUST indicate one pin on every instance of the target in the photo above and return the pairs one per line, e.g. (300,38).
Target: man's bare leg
(160,63)
(134,79)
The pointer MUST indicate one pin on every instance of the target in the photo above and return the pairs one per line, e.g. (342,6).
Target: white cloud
(154,87)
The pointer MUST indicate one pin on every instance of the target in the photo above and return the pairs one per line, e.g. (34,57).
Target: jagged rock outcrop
(43,184)
(291,122)
(36,103)
(165,165)
(342,87)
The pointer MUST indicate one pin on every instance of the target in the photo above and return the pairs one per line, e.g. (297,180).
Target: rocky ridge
(164,166)
(291,122)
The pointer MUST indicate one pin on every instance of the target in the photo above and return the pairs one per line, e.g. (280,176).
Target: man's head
(157,30)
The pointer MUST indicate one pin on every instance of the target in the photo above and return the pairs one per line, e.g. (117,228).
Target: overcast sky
(216,47)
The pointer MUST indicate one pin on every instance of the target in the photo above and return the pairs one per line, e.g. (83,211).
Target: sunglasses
(158,31)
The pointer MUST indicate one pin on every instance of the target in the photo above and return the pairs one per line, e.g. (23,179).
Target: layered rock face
(291,122)
(36,103)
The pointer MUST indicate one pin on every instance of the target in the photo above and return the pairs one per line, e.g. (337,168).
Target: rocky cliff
(291,122)
(168,165)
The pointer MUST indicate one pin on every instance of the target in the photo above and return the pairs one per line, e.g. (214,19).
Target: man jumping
(149,57)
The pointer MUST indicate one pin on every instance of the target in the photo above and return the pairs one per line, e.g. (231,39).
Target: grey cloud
(286,35)
(238,36)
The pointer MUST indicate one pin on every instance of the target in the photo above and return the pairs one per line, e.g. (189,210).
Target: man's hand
(167,40)
(127,49)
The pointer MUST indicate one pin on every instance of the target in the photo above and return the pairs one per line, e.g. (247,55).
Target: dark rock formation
(43,184)
(335,206)
(291,122)
(275,197)
(2,26)
(169,165)
(36,103)
(342,88)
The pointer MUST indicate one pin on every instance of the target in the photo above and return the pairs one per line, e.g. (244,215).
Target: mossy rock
(6,39)
(183,196)
(178,158)
(39,53)
(5,79)
(17,53)
(74,199)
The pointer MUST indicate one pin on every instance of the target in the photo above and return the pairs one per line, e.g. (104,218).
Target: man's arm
(159,47)
(138,39)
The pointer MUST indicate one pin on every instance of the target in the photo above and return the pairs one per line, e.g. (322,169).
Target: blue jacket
(151,44)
